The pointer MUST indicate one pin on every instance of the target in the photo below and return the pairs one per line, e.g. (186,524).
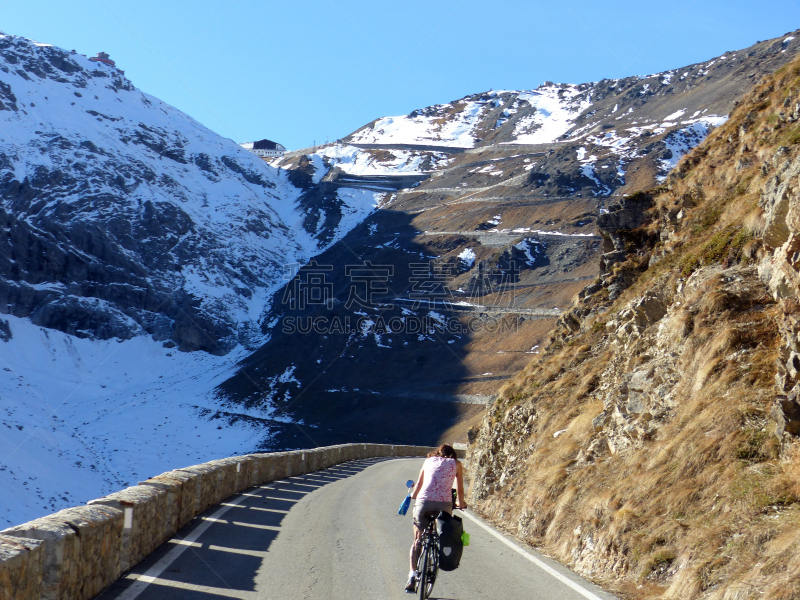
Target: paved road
(473,190)
(478,309)
(419,147)
(510,148)
(379,183)
(332,535)
(500,239)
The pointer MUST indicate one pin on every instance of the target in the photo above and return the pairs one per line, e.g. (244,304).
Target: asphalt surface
(336,535)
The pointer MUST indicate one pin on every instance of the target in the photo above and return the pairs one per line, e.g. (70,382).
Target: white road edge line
(142,581)
(542,565)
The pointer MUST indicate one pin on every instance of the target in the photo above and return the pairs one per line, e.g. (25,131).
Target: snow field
(83,418)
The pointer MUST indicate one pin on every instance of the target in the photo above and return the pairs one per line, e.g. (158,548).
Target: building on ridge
(265,149)
(103,58)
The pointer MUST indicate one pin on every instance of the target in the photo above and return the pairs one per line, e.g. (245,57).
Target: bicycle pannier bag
(449,529)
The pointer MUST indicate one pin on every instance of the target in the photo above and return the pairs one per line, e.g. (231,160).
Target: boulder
(785,414)
(600,421)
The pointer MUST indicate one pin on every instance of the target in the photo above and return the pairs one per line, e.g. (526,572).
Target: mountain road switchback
(334,535)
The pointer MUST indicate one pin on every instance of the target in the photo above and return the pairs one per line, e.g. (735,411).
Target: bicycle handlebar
(455,501)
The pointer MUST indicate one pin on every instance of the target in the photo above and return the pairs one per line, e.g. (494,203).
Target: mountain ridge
(139,251)
(653,445)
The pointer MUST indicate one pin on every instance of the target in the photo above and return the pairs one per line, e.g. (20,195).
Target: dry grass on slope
(690,497)
(708,478)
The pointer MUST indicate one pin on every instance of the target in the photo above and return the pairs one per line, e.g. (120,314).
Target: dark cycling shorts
(423,506)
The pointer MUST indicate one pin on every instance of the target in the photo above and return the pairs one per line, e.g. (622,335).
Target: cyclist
(433,493)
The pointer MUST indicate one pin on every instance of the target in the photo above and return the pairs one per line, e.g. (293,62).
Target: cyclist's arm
(418,485)
(462,503)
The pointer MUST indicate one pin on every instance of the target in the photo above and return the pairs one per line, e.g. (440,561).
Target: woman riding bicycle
(433,493)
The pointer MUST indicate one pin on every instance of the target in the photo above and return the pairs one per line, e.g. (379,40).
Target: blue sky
(300,73)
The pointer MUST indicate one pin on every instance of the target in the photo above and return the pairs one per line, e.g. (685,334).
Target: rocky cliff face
(654,444)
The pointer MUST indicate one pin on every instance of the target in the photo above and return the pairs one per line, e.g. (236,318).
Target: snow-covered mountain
(82,417)
(550,114)
(127,217)
(132,234)
(599,138)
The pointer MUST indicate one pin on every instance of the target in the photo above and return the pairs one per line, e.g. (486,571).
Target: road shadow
(228,554)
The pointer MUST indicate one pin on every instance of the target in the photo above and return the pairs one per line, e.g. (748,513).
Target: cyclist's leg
(420,519)
(415,547)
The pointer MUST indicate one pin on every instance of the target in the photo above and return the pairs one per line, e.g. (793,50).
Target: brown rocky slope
(652,445)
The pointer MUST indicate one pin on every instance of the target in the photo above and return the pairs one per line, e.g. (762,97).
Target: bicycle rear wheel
(427,571)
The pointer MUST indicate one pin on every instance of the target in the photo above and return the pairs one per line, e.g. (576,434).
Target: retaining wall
(76,553)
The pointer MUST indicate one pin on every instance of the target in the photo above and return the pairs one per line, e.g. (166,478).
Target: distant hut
(103,58)
(264,148)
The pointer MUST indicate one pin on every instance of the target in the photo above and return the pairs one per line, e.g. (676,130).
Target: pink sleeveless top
(438,479)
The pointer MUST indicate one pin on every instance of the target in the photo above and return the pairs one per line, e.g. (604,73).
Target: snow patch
(428,127)
(557,107)
(467,256)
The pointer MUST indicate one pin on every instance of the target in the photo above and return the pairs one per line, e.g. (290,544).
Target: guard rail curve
(76,553)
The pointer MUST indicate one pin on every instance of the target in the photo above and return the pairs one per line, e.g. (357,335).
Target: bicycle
(428,560)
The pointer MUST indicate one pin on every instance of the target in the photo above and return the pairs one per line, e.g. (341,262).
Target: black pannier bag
(449,529)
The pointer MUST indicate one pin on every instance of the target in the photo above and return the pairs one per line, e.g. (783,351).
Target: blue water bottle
(407,501)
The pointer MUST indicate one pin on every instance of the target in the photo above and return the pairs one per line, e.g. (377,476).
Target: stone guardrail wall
(76,553)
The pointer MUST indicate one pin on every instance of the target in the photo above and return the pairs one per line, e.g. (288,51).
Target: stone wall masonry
(60,554)
(225,484)
(21,568)
(206,480)
(146,520)
(181,488)
(272,467)
(280,466)
(82,548)
(298,463)
(261,469)
(76,553)
(244,472)
(315,460)
(335,456)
